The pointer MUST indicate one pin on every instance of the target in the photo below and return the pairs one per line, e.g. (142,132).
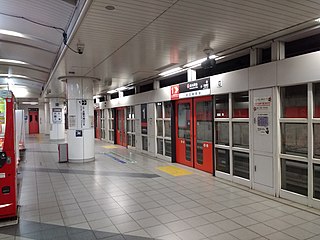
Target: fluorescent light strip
(12,61)
(119,89)
(172,73)
(13,76)
(30,103)
(169,72)
(112,91)
(12,33)
(197,63)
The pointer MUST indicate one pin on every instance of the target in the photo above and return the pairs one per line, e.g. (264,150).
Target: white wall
(162,94)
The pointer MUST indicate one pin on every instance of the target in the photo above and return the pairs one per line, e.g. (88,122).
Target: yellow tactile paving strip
(110,147)
(174,171)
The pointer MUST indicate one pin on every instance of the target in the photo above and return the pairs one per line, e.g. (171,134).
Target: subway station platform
(127,196)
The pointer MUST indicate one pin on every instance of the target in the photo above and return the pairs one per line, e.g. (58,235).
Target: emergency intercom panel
(57,115)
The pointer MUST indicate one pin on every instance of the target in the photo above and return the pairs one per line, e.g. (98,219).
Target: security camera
(80,48)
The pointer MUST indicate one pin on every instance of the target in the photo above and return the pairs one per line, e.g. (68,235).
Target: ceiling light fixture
(120,89)
(13,61)
(111,91)
(12,33)
(30,103)
(317,20)
(6,75)
(197,63)
(170,72)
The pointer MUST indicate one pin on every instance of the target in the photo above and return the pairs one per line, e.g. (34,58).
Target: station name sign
(191,89)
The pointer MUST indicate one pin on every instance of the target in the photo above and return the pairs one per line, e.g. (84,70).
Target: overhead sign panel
(195,88)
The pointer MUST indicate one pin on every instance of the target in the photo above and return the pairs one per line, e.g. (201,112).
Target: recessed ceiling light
(110,7)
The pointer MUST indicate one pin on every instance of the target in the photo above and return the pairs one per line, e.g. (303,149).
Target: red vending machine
(8,164)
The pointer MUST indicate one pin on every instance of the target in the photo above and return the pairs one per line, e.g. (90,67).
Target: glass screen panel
(222,133)
(294,101)
(167,146)
(316,140)
(241,164)
(240,134)
(223,160)
(159,128)
(160,146)
(222,106)
(294,176)
(144,121)
(316,100)
(167,109)
(167,128)
(184,125)
(240,105)
(128,112)
(159,110)
(129,139)
(133,140)
(203,126)
(145,143)
(316,181)
(294,139)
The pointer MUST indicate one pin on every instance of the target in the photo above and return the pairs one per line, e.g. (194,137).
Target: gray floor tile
(148,222)
(278,224)
(244,234)
(210,230)
(223,236)
(128,227)
(166,218)
(190,234)
(178,226)
(279,236)
(244,221)
(262,229)
(298,233)
(157,231)
(227,225)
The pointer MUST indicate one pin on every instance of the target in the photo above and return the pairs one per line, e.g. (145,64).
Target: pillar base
(81,160)
(81,148)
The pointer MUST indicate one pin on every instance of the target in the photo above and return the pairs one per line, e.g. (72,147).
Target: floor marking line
(174,171)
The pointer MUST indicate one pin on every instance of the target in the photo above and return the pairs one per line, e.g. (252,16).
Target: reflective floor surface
(124,196)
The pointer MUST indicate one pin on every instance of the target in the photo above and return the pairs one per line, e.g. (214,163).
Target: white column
(277,51)
(255,56)
(56,119)
(46,118)
(191,74)
(80,120)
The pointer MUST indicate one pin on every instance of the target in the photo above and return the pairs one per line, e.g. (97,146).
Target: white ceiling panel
(24,38)
(133,41)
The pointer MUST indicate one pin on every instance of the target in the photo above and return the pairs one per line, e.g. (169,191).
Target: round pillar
(56,119)
(80,119)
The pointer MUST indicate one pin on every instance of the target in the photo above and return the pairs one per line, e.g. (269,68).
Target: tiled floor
(122,196)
